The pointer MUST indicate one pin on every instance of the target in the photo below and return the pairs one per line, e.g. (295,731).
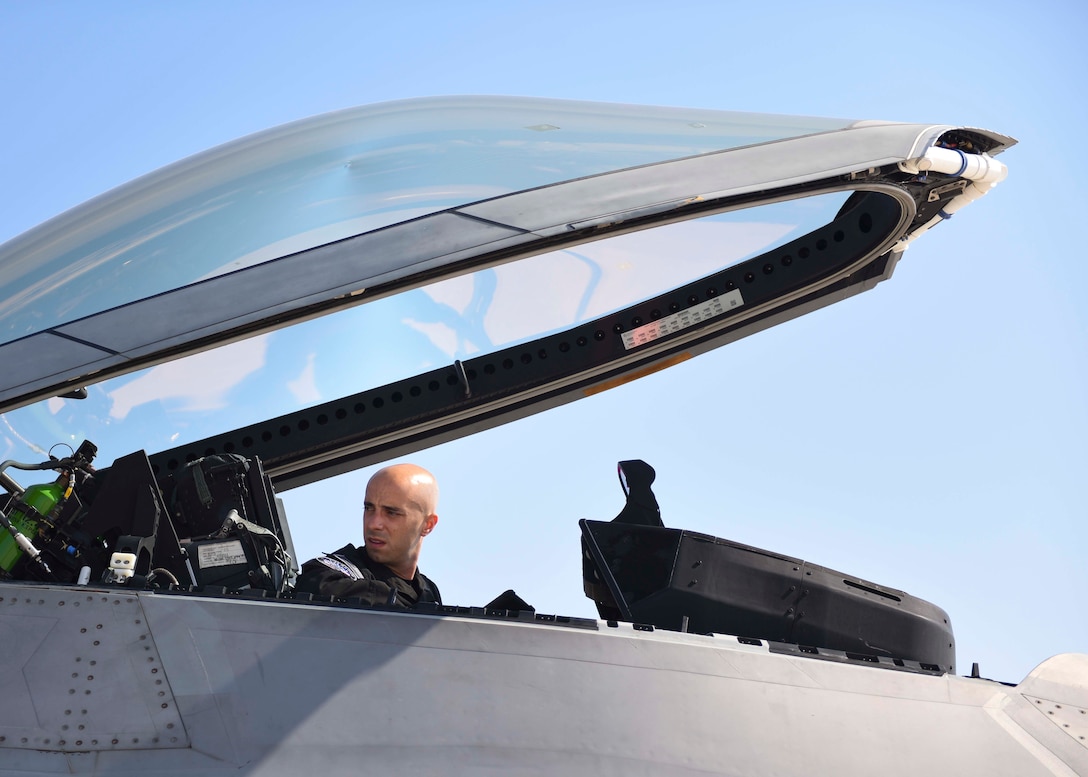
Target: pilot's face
(394,523)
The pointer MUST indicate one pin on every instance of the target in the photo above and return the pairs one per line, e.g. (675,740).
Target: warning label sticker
(682,319)
(221,554)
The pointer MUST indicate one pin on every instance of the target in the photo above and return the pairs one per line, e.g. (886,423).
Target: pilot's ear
(429,524)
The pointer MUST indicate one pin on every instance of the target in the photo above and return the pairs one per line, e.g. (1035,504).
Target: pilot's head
(399,510)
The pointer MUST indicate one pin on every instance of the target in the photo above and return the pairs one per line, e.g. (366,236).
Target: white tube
(983,171)
(980,168)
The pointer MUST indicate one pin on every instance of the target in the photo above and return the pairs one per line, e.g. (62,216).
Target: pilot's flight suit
(350,572)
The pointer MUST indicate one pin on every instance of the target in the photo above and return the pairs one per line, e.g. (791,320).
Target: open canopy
(514,254)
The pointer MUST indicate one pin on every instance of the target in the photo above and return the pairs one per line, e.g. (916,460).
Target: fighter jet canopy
(482,258)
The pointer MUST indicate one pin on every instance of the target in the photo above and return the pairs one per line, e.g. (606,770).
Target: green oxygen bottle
(36,502)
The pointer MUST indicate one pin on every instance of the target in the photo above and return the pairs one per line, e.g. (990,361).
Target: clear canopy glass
(400,336)
(334,176)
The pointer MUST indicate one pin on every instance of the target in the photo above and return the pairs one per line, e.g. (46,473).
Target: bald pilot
(398,512)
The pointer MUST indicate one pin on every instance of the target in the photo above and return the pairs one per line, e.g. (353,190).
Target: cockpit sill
(499,617)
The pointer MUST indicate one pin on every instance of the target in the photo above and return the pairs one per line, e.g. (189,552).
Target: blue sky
(928,435)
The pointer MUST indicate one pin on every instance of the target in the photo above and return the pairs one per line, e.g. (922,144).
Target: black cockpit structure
(637,570)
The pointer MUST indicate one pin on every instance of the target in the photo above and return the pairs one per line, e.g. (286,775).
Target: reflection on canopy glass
(396,337)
